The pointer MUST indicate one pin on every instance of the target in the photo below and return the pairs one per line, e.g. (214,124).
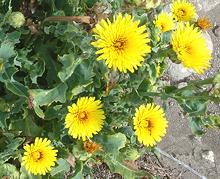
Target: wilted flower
(204,23)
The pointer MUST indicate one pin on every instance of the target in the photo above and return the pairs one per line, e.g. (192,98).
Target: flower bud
(16,19)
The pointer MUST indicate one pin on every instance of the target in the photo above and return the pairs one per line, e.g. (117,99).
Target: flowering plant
(78,81)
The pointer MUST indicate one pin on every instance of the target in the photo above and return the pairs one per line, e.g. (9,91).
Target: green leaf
(37,70)
(45,97)
(112,143)
(12,85)
(194,107)
(131,154)
(28,127)
(70,62)
(8,170)
(63,166)
(26,175)
(211,121)
(118,167)
(10,146)
(15,143)
(6,51)
(195,125)
(78,170)
(17,88)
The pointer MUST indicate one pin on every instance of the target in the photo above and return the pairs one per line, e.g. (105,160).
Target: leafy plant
(48,62)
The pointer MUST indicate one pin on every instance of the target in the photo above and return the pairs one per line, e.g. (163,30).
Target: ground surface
(201,154)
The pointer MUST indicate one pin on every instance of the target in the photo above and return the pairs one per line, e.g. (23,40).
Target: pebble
(216,31)
(208,155)
(178,71)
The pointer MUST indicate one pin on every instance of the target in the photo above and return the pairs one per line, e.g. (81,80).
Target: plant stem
(79,19)
(194,83)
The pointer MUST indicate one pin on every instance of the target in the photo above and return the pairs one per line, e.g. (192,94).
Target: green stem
(165,96)
(196,83)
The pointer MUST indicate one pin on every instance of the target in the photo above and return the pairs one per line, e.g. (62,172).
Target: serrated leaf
(6,51)
(70,62)
(63,166)
(15,143)
(8,170)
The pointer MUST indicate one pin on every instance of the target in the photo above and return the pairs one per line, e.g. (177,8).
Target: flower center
(37,155)
(149,124)
(82,115)
(119,44)
(181,12)
(162,27)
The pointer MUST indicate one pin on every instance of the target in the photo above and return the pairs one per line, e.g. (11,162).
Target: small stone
(178,72)
(208,155)
(209,41)
(181,85)
(216,31)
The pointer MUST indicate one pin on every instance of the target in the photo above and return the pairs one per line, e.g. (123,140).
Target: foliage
(47,65)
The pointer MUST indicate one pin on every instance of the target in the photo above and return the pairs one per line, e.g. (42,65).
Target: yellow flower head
(182,10)
(122,44)
(204,23)
(39,157)
(150,124)
(191,48)
(85,118)
(164,21)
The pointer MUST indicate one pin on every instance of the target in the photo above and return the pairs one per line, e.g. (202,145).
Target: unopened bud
(16,19)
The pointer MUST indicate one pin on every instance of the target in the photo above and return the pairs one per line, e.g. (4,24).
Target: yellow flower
(183,10)
(122,44)
(204,23)
(150,124)
(39,157)
(191,48)
(164,21)
(85,118)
